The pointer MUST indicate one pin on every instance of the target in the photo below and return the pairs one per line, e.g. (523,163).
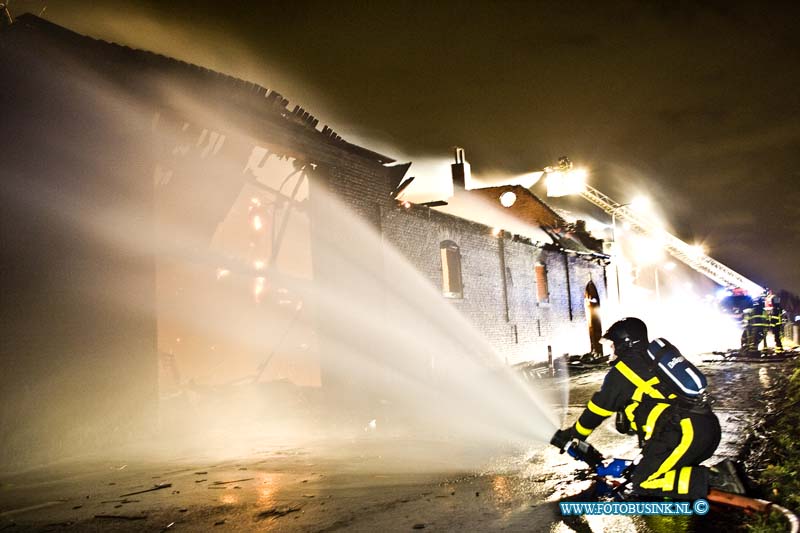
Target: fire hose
(621,468)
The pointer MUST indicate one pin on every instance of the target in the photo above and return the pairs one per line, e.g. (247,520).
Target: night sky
(696,104)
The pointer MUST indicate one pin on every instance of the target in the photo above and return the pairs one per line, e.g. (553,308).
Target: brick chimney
(460,170)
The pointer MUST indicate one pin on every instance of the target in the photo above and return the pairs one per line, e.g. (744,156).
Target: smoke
(268,331)
(204,41)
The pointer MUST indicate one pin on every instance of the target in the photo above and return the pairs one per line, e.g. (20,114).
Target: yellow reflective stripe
(596,409)
(632,376)
(642,386)
(629,374)
(582,430)
(655,412)
(652,391)
(629,413)
(683,480)
(652,484)
(686,440)
(665,483)
(669,481)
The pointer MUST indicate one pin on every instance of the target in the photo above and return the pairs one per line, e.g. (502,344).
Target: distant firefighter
(772,307)
(756,323)
(765,316)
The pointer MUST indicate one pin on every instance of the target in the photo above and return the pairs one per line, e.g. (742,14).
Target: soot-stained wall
(114,160)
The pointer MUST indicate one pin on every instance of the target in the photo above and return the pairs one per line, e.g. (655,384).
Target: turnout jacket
(632,387)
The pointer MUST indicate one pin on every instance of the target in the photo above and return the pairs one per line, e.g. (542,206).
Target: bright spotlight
(563,183)
(579,174)
(698,249)
(647,251)
(640,203)
(508,198)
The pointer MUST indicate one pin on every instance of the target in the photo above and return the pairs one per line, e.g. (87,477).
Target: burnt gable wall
(104,148)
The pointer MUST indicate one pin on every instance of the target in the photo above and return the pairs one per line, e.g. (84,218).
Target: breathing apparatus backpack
(678,374)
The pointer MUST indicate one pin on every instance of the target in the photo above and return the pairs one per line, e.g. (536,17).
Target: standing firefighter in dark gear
(775,311)
(675,437)
(756,324)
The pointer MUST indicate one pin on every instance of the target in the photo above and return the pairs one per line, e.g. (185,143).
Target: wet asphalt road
(355,484)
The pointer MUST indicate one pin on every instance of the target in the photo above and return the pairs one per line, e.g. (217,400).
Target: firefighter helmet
(627,333)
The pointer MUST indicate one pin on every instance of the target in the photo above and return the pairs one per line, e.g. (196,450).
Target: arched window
(452,286)
(542,289)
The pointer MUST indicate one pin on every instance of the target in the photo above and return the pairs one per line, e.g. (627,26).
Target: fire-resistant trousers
(669,459)
(777,332)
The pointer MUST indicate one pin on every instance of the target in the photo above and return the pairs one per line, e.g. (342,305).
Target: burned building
(529,280)
(168,227)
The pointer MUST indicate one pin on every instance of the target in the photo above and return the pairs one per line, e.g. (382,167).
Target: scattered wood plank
(152,489)
(232,481)
(121,517)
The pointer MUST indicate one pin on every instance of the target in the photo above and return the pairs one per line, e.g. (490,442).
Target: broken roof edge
(524,190)
(418,210)
(561,232)
(483,205)
(396,172)
(273,100)
(432,211)
(589,256)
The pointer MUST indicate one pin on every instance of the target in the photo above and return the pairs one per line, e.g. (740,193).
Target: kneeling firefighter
(676,432)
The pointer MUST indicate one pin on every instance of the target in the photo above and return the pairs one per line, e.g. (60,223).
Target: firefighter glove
(561,438)
(622,423)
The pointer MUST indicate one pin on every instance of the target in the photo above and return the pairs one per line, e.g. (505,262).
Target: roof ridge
(274,100)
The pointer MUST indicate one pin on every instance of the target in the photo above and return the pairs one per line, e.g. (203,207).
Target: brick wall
(523,330)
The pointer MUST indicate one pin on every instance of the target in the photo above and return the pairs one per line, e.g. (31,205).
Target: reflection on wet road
(357,485)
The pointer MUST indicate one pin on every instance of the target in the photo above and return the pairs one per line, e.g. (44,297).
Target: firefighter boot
(723,477)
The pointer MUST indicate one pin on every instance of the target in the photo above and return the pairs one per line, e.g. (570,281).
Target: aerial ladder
(693,256)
